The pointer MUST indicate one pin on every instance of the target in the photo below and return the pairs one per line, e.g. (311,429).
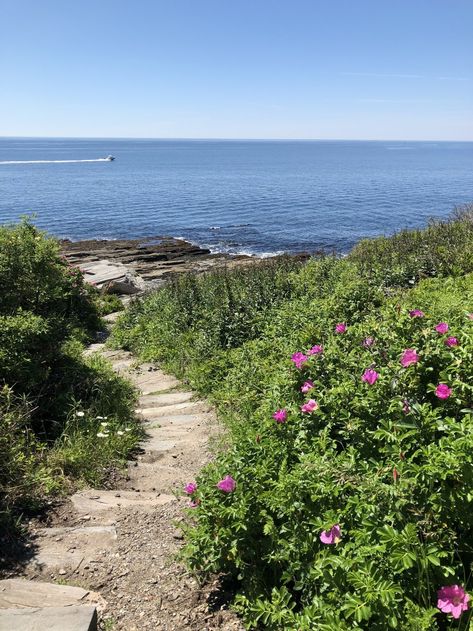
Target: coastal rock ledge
(128,266)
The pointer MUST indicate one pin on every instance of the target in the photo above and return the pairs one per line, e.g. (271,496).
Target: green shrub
(47,312)
(441,249)
(389,463)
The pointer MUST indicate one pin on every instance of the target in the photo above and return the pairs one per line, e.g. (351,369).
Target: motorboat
(110,158)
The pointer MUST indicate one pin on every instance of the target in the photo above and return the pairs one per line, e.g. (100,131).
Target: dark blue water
(235,196)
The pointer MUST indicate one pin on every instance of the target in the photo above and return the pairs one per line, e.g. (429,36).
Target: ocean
(252,197)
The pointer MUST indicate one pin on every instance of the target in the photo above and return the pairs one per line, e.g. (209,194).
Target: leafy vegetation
(344,498)
(53,401)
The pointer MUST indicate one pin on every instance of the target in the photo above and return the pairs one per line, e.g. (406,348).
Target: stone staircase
(89,543)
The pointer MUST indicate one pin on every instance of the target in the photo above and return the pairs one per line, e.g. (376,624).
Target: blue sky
(341,69)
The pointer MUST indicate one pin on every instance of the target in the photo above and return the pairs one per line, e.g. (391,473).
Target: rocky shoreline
(134,265)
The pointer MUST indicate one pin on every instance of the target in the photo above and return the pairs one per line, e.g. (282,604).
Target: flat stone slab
(88,502)
(155,476)
(168,398)
(70,618)
(156,443)
(69,548)
(155,384)
(181,420)
(21,593)
(191,407)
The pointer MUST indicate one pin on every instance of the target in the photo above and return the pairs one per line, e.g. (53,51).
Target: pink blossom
(227,485)
(416,313)
(441,327)
(452,599)
(194,503)
(470,315)
(370,376)
(306,386)
(406,408)
(299,359)
(341,327)
(331,536)
(190,488)
(442,391)
(409,357)
(280,416)
(367,342)
(315,350)
(310,406)
(451,341)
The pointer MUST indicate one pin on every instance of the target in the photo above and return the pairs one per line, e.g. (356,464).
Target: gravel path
(122,542)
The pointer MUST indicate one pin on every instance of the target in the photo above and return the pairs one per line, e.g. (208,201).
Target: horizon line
(224,139)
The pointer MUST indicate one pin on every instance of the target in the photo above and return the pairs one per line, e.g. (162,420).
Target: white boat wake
(53,161)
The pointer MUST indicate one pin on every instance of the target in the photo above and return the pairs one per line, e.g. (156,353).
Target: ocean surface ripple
(257,197)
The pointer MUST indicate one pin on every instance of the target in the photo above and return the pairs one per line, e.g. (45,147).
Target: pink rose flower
(310,406)
(299,359)
(190,488)
(315,350)
(227,485)
(452,599)
(442,391)
(441,327)
(280,416)
(451,341)
(306,386)
(368,342)
(331,536)
(409,357)
(370,376)
(341,327)
(416,313)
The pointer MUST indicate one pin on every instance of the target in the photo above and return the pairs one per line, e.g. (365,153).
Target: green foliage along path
(344,499)
(53,401)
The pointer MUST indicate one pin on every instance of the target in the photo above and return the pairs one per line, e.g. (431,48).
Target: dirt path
(121,543)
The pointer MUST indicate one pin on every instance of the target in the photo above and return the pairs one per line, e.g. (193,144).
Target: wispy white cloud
(382,74)
(388,75)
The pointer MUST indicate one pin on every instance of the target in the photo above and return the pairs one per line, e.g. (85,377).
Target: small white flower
(81,414)
(127,429)
(100,418)
(104,424)
(120,433)
(102,435)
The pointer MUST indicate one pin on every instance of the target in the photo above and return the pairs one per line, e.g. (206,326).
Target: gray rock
(72,618)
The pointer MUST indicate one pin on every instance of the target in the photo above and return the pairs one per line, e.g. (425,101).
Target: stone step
(91,502)
(185,420)
(70,618)
(158,477)
(168,398)
(70,547)
(172,433)
(152,383)
(21,593)
(122,365)
(189,407)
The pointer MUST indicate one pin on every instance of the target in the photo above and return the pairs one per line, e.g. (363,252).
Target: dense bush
(354,511)
(441,249)
(52,401)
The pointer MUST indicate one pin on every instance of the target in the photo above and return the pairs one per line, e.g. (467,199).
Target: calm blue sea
(234,196)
